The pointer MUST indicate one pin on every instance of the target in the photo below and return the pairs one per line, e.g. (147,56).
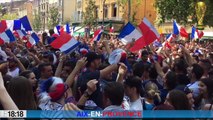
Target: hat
(83,51)
(53,89)
(91,56)
(117,55)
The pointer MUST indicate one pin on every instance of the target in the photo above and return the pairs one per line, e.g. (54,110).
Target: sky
(2,1)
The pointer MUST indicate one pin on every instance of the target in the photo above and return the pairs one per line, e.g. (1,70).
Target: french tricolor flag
(7,37)
(196,33)
(170,37)
(21,33)
(66,28)
(65,43)
(150,34)
(97,35)
(33,40)
(178,30)
(22,23)
(129,33)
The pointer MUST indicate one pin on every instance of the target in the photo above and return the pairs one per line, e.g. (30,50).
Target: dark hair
(26,73)
(171,81)
(179,100)
(51,31)
(42,66)
(209,83)
(153,72)
(207,64)
(197,70)
(138,69)
(115,92)
(20,90)
(134,82)
(70,64)
(182,79)
(180,65)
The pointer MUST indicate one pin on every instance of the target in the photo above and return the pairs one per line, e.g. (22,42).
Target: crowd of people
(179,77)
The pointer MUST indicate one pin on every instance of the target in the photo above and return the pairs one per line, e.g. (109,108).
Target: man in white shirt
(132,90)
(195,73)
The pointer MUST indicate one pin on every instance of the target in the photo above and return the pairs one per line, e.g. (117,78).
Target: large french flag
(65,43)
(178,30)
(97,35)
(33,40)
(129,33)
(7,36)
(150,34)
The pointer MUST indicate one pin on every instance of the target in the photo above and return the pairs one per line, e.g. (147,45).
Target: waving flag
(3,26)
(33,40)
(129,33)
(7,36)
(65,43)
(97,35)
(196,33)
(149,32)
(21,33)
(178,30)
(58,29)
(25,23)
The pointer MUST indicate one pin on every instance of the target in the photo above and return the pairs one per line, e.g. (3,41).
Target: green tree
(130,14)
(89,18)
(36,22)
(181,10)
(53,17)
(175,9)
(9,16)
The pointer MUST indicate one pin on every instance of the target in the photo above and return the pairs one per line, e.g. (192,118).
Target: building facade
(68,10)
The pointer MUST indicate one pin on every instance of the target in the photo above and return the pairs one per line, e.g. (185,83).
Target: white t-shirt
(137,105)
(195,88)
(14,73)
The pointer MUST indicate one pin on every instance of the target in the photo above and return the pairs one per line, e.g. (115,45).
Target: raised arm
(21,66)
(91,87)
(121,73)
(60,65)
(5,99)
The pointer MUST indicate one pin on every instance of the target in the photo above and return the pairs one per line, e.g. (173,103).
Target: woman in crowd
(178,100)
(20,90)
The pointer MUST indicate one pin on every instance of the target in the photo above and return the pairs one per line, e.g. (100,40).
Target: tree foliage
(133,14)
(9,16)
(89,18)
(36,21)
(175,9)
(53,17)
(181,10)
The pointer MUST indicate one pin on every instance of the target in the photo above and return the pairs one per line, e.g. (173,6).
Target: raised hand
(91,86)
(82,62)
(122,69)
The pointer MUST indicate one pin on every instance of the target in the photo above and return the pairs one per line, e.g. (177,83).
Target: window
(96,12)
(114,10)
(79,15)
(105,11)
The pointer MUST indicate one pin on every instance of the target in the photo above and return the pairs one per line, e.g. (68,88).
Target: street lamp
(200,13)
